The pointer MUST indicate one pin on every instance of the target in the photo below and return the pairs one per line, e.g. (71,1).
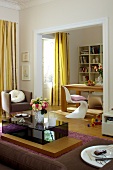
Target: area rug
(83,137)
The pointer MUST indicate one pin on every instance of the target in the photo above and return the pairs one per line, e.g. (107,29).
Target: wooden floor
(79,125)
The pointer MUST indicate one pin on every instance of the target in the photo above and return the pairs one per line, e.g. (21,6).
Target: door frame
(38,53)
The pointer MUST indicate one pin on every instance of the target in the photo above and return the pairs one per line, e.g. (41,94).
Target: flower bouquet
(99,69)
(39,104)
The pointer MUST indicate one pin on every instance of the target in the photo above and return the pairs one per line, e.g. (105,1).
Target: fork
(102,162)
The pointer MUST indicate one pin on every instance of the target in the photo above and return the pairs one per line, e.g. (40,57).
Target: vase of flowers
(39,106)
(39,117)
(99,69)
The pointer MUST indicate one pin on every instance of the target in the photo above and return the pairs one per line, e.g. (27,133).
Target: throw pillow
(77,97)
(17,96)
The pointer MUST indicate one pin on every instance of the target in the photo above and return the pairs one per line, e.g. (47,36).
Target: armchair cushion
(11,107)
(17,96)
(77,97)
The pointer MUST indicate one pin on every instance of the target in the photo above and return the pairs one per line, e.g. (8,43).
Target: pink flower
(37,105)
(46,104)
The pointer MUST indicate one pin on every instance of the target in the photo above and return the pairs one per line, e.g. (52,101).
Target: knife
(103,159)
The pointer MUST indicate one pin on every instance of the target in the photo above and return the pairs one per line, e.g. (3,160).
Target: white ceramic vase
(39,117)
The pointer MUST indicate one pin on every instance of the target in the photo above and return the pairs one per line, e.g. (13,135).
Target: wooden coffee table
(53,149)
(28,136)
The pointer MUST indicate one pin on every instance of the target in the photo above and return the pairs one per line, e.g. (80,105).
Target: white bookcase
(107,123)
(89,56)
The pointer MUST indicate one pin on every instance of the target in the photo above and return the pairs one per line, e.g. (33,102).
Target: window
(48,60)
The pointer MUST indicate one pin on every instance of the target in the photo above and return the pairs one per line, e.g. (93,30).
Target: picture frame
(26,72)
(25,56)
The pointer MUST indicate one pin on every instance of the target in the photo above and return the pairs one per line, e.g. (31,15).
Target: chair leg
(80,112)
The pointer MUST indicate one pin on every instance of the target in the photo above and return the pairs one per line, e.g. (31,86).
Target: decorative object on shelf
(93,60)
(39,106)
(100,79)
(97,60)
(84,59)
(87,78)
(99,69)
(93,50)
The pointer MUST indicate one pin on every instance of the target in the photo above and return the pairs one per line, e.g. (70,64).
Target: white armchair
(80,112)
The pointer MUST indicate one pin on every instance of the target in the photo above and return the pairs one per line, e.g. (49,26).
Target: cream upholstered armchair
(10,107)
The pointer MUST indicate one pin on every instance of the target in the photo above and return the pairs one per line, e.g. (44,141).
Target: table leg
(78,93)
(63,100)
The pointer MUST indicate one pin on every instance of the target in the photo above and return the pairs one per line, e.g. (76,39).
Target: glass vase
(100,80)
(39,117)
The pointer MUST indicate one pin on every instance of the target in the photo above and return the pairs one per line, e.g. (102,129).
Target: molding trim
(19,5)
(9,5)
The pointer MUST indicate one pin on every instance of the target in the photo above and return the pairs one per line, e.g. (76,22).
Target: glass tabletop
(29,129)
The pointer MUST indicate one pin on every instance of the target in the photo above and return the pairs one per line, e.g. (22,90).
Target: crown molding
(32,3)
(19,5)
(9,5)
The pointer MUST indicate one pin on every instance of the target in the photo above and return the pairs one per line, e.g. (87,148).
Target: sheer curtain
(8,77)
(61,65)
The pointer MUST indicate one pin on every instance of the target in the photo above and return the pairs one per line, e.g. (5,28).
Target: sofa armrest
(28,95)
(72,160)
(6,101)
(20,159)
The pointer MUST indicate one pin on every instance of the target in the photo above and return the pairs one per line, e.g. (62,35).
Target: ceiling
(21,4)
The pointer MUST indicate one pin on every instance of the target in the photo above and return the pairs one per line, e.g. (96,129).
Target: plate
(18,115)
(86,157)
(24,114)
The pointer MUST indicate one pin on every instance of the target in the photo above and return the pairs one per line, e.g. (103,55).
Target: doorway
(38,51)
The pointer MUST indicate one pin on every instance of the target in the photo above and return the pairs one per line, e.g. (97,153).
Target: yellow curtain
(61,65)
(8,79)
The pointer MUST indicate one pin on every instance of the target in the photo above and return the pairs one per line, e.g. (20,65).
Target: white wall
(9,14)
(79,37)
(63,12)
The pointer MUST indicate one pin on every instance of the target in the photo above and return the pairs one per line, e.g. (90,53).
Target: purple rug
(84,138)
